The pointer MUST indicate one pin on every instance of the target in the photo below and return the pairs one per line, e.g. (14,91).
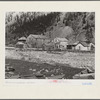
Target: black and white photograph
(50,45)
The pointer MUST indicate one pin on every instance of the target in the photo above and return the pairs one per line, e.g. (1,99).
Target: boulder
(84,76)
(56,77)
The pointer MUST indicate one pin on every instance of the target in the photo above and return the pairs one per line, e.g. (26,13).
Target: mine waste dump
(17,69)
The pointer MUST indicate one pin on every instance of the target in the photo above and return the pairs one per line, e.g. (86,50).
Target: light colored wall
(91,44)
(33,42)
(81,47)
(63,45)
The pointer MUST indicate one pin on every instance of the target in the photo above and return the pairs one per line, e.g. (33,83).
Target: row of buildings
(41,41)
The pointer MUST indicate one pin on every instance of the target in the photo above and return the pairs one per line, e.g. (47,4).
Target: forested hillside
(72,25)
(83,24)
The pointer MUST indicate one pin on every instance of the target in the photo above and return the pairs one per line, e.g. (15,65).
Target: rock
(84,71)
(7,64)
(46,70)
(7,76)
(28,77)
(38,74)
(34,69)
(52,74)
(56,77)
(30,69)
(10,73)
(84,76)
(90,70)
(87,70)
(15,77)
(8,69)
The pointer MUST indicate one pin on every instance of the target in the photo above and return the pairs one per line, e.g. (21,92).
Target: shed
(20,45)
(22,39)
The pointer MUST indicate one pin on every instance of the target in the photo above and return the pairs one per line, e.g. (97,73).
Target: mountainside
(75,26)
(71,25)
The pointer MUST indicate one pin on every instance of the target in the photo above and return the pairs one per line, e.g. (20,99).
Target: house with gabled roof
(60,43)
(21,42)
(36,41)
(83,45)
(92,46)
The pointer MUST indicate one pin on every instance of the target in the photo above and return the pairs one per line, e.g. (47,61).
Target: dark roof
(39,36)
(73,43)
